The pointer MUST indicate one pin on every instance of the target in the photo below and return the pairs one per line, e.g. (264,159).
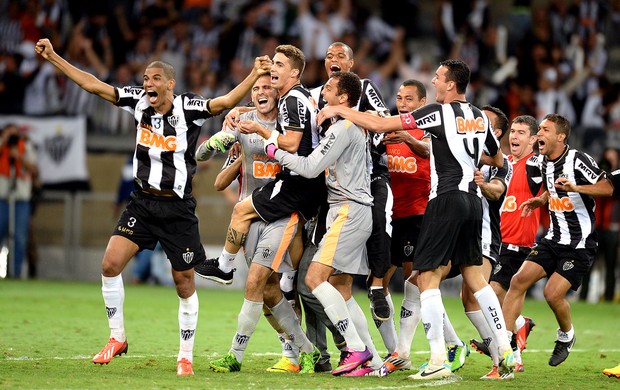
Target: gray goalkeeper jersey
(257,169)
(342,152)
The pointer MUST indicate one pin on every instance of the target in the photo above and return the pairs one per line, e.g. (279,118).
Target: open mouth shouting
(152,96)
(335,68)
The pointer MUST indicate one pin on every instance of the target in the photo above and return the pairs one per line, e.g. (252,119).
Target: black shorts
(172,221)
(451,230)
(572,264)
(511,258)
(287,194)
(378,245)
(405,232)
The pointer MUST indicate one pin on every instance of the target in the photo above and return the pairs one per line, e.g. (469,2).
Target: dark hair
(346,48)
(169,71)
(459,72)
(562,125)
(295,56)
(528,120)
(418,84)
(350,84)
(501,121)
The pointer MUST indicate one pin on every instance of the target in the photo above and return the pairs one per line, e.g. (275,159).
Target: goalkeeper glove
(221,141)
(271,144)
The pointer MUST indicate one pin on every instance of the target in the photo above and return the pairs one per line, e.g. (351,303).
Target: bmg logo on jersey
(464,126)
(402,164)
(265,170)
(153,140)
(561,204)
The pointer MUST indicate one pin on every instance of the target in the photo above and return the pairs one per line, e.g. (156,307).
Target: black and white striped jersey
(459,133)
(572,213)
(165,144)
(297,112)
(370,100)
(491,209)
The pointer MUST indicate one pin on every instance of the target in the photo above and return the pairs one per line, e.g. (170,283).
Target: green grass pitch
(49,331)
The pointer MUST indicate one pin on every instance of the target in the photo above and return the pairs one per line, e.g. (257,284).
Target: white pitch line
(82,357)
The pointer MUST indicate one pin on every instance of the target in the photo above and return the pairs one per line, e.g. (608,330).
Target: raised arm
(85,80)
(600,188)
(262,65)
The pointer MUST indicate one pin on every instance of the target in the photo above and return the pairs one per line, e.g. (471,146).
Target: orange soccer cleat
(112,348)
(184,368)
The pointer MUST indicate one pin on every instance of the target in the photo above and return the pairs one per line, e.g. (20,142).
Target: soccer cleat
(366,370)
(457,355)
(492,375)
(508,362)
(307,360)
(284,365)
(184,367)
(480,346)
(561,351)
(612,371)
(209,269)
(394,363)
(524,332)
(433,372)
(323,366)
(111,349)
(227,363)
(352,360)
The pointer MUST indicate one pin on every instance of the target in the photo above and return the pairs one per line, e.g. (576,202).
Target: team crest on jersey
(173,120)
(568,265)
(408,249)
(188,257)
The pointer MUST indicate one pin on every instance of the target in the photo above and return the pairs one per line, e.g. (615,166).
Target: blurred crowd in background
(527,56)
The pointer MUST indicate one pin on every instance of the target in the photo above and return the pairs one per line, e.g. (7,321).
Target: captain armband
(407,121)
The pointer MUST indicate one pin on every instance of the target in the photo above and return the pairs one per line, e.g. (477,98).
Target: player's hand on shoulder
(326,113)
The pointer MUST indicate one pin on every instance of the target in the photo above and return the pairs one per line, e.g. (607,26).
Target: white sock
(432,317)
(226,261)
(289,349)
(113,293)
(188,318)
(285,315)
(361,324)
(246,324)
(410,316)
(519,323)
(492,312)
(480,323)
(566,336)
(287,280)
(449,334)
(387,329)
(338,313)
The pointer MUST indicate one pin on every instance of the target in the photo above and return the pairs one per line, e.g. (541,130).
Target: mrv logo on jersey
(430,120)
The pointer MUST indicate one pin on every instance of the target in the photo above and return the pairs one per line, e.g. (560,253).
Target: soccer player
(266,246)
(339,57)
(518,234)
(289,192)
(493,182)
(566,253)
(162,206)
(452,223)
(342,153)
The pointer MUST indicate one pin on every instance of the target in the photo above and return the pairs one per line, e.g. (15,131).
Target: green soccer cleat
(227,363)
(307,360)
